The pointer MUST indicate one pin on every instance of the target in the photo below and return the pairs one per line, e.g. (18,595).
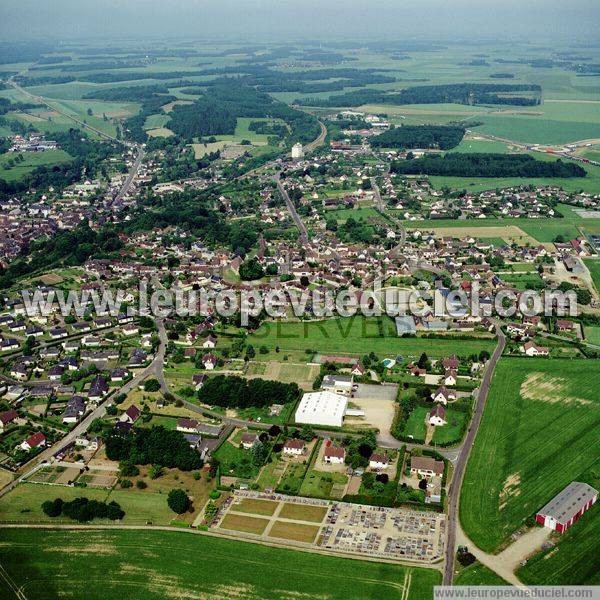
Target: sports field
(356,336)
(539,432)
(157,564)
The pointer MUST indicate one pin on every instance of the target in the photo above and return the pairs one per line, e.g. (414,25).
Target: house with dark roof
(131,415)
(98,388)
(334,455)
(8,417)
(74,409)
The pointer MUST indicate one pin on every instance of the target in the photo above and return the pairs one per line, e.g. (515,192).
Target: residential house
(37,440)
(379,461)
(294,447)
(248,440)
(426,466)
(334,455)
(131,415)
(437,416)
(531,349)
(443,395)
(7,417)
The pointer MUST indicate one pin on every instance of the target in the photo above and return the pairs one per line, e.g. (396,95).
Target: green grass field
(31,162)
(478,574)
(538,433)
(23,504)
(574,561)
(453,430)
(592,334)
(157,564)
(357,336)
(543,230)
(594,268)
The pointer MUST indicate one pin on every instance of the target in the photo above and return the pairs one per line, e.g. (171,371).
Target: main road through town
(461,462)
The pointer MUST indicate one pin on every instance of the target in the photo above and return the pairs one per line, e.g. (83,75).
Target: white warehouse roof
(322,408)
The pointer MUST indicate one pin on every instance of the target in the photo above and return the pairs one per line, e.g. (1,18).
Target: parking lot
(379,404)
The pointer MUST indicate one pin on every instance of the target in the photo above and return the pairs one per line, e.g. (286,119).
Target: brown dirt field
(243,523)
(256,507)
(67,475)
(508,232)
(5,477)
(169,107)
(160,132)
(51,278)
(294,531)
(303,512)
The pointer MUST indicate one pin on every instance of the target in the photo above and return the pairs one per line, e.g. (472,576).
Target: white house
(333,455)
(338,384)
(210,342)
(531,349)
(450,377)
(443,395)
(37,440)
(379,461)
(209,361)
(437,415)
(294,447)
(249,440)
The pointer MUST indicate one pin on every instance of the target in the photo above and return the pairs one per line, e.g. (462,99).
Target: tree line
(443,137)
(156,445)
(237,392)
(486,165)
(459,93)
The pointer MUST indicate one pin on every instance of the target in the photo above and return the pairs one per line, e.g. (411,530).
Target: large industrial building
(322,408)
(566,507)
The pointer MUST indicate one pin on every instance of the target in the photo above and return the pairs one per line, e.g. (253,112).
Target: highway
(463,457)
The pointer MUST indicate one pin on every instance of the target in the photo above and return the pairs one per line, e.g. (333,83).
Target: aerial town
(178,227)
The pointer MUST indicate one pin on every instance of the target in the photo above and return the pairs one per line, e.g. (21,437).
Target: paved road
(131,175)
(459,468)
(45,102)
(381,207)
(318,141)
(155,369)
(292,210)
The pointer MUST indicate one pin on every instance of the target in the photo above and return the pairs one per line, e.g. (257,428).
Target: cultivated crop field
(539,432)
(157,564)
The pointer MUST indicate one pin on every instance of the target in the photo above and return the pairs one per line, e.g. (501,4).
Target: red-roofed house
(37,440)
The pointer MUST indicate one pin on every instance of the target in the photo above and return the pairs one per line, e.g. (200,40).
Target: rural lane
(461,463)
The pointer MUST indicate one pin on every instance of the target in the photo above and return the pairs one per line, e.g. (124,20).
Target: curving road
(461,463)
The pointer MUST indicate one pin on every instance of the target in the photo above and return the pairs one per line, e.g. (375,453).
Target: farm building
(322,408)
(566,508)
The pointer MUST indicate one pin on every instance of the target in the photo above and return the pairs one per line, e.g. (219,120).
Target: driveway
(379,405)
